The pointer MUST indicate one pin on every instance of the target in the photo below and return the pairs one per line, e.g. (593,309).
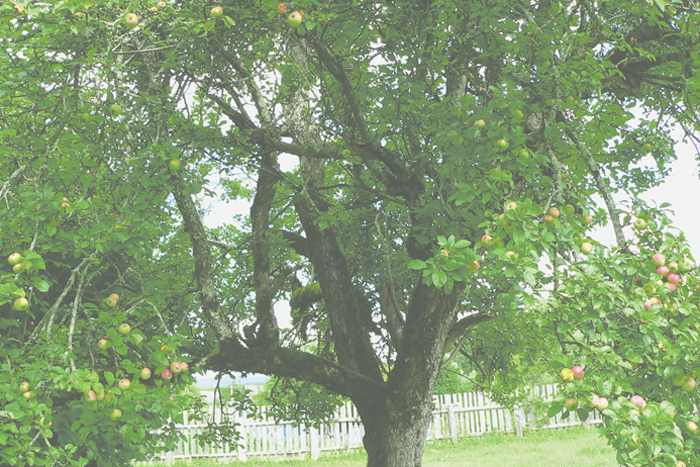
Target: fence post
(452,422)
(314,447)
(519,419)
(243,443)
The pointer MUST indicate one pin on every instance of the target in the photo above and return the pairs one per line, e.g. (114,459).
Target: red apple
(184,366)
(294,19)
(102,344)
(638,401)
(20,304)
(217,12)
(91,396)
(487,240)
(693,427)
(658,259)
(167,375)
(14,258)
(671,286)
(595,400)
(131,20)
(145,373)
(548,219)
(602,404)
(124,328)
(578,372)
(554,212)
(282,8)
(674,278)
(175,368)
(115,414)
(663,270)
(124,384)
(689,384)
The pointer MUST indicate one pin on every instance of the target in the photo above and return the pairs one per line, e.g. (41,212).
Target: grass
(575,447)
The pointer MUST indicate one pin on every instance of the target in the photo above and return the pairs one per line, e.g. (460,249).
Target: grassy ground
(575,447)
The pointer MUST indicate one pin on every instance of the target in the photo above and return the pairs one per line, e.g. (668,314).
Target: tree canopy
(448,158)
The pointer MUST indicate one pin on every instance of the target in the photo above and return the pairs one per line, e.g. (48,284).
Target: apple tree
(409,166)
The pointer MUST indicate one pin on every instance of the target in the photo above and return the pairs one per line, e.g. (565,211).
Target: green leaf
(439,278)
(417,264)
(40,284)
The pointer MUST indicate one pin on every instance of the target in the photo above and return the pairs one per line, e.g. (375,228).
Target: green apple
(19,268)
(518,114)
(174,165)
(145,373)
(115,414)
(20,304)
(480,124)
(217,12)
(571,404)
(131,20)
(24,387)
(640,224)
(124,328)
(294,19)
(14,258)
(102,344)
(689,384)
(124,384)
(116,109)
(570,210)
(502,144)
(647,148)
(524,153)
(554,212)
(586,248)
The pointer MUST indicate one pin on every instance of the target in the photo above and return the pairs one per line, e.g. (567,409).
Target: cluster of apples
(576,373)
(295,17)
(670,278)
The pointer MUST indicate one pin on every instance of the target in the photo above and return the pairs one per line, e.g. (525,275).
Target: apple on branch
(294,19)
(217,12)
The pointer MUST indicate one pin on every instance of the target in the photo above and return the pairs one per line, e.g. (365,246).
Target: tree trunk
(395,430)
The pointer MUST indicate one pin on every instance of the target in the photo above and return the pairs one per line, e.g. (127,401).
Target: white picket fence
(455,415)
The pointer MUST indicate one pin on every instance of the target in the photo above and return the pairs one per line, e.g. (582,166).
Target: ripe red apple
(638,401)
(567,375)
(640,224)
(473,266)
(176,368)
(124,384)
(115,414)
(19,268)
(14,258)
(554,212)
(294,19)
(548,219)
(24,387)
(20,304)
(578,372)
(217,12)
(91,396)
(131,20)
(674,278)
(487,240)
(689,384)
(586,248)
(124,328)
(671,286)
(571,404)
(663,270)
(502,144)
(595,400)
(693,427)
(174,165)
(282,8)
(162,4)
(102,344)
(480,124)
(658,259)
(651,302)
(184,366)
(602,404)
(167,375)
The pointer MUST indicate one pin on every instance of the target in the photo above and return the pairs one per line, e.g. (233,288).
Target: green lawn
(575,447)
